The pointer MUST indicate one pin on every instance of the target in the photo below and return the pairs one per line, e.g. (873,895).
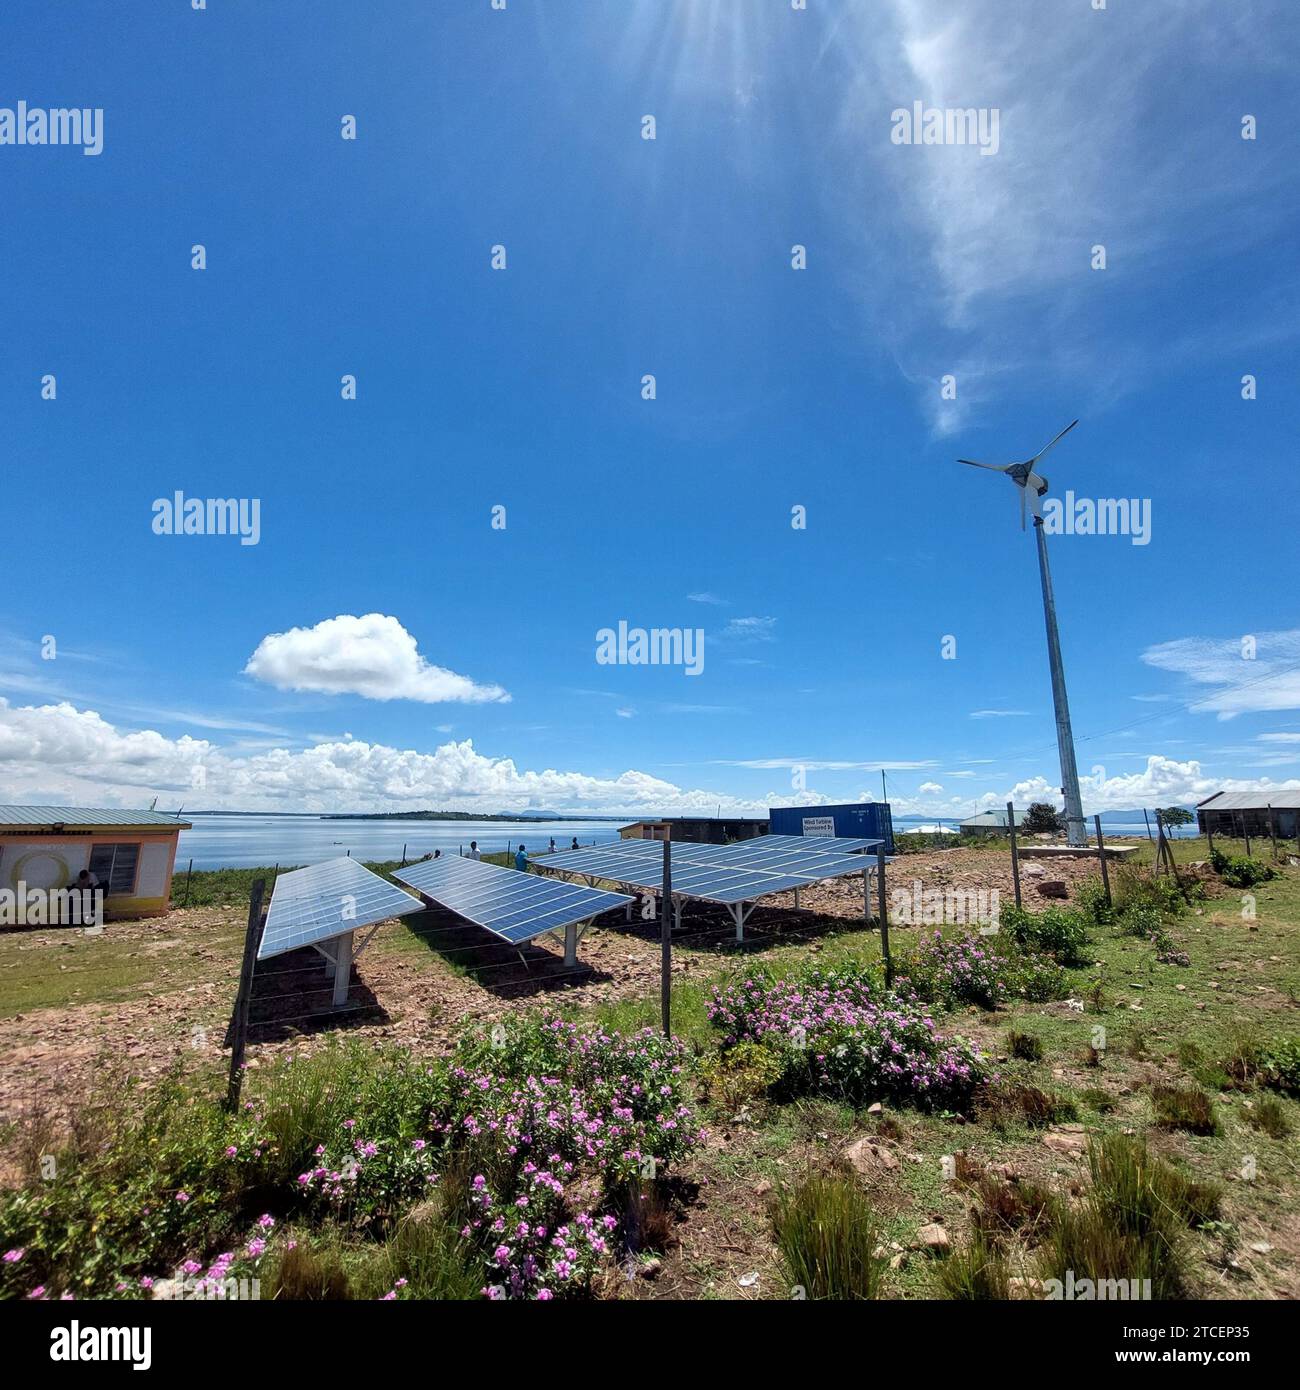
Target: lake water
(247,842)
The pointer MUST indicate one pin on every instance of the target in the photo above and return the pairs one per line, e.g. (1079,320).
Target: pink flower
(11,1257)
(231,1151)
(182,1197)
(266,1221)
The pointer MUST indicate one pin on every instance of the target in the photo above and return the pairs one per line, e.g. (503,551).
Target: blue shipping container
(866,820)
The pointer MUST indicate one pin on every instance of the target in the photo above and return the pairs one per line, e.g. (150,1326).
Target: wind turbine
(1032,485)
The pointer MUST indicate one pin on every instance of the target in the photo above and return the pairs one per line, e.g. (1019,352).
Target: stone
(1053,888)
(651,1269)
(1261,1247)
(876,1109)
(933,1239)
(869,1157)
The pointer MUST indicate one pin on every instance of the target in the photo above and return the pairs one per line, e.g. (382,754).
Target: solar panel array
(326,900)
(514,906)
(719,873)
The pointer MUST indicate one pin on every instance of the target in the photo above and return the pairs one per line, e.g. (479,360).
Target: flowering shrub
(981,970)
(545,1086)
(532,1251)
(838,1034)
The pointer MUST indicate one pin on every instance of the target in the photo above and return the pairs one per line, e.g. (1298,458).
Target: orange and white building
(131,853)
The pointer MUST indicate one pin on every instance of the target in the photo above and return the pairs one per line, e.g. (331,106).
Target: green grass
(826,1231)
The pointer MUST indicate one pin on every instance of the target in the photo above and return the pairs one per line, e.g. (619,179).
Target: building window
(114,867)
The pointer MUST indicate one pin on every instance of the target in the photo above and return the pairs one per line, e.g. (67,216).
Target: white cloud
(997,713)
(1279,738)
(625,713)
(706,597)
(60,754)
(1252,672)
(929,788)
(750,630)
(373,656)
(1094,147)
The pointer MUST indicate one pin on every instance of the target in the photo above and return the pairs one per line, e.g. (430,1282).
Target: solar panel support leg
(796,900)
(571,944)
(677,913)
(342,969)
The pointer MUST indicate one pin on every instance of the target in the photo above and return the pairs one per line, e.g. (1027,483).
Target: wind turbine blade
(1060,436)
(994,467)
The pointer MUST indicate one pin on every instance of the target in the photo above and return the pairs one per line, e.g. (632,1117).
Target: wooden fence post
(1272,830)
(884,919)
(239,1020)
(666,942)
(1101,854)
(1015,853)
(188,875)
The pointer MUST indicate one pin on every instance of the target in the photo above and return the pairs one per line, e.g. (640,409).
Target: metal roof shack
(131,854)
(1251,813)
(699,830)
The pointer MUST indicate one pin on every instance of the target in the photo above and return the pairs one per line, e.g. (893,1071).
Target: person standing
(473,850)
(521,860)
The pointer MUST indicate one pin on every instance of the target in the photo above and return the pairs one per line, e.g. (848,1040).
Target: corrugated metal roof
(994,818)
(45,817)
(1252,801)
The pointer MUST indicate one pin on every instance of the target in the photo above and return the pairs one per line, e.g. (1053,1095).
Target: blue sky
(360,654)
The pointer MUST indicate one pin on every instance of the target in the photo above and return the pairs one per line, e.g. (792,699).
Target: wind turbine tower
(1033,485)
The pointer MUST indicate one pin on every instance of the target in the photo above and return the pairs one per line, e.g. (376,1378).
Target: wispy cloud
(998,713)
(749,630)
(1252,672)
(706,597)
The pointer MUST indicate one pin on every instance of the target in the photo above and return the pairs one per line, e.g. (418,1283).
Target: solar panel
(514,906)
(812,844)
(327,900)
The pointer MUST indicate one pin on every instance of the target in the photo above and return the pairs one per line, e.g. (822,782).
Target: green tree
(1043,818)
(1171,816)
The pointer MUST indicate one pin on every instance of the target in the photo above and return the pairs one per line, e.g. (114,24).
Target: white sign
(819,825)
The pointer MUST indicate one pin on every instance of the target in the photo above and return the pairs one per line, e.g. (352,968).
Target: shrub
(741,1074)
(1139,919)
(1130,1224)
(1268,1115)
(1061,932)
(978,1272)
(303,1272)
(1239,870)
(1135,887)
(1184,1107)
(1090,898)
(1025,1046)
(835,1035)
(1015,1102)
(982,970)
(1280,1064)
(955,970)
(1004,1209)
(826,1231)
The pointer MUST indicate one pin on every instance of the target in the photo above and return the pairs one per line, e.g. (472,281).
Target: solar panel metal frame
(506,902)
(308,905)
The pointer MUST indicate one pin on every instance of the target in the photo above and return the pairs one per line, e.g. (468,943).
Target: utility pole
(1075,831)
